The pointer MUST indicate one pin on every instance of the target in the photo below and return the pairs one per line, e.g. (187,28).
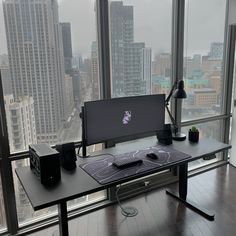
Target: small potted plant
(193,135)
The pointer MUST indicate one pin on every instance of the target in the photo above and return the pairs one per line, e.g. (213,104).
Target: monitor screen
(110,119)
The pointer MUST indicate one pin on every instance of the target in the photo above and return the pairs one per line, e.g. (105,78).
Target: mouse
(152,155)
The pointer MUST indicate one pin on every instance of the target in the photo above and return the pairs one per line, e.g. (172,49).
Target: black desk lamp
(179,93)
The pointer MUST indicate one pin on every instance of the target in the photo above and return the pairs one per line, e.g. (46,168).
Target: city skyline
(149,29)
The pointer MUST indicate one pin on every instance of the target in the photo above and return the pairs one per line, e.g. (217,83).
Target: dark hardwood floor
(160,214)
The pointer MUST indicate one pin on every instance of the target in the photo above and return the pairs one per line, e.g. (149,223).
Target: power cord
(127,211)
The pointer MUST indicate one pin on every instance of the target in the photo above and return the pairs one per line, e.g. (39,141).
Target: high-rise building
(20,122)
(36,61)
(69,97)
(216,51)
(147,69)
(162,65)
(67,46)
(76,86)
(95,80)
(192,65)
(126,54)
(133,81)
(6,79)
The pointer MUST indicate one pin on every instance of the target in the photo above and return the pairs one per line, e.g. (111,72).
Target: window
(45,84)
(46,87)
(208,130)
(203,58)
(140,47)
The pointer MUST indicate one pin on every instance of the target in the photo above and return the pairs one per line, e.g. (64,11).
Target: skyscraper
(20,122)
(162,65)
(36,61)
(67,45)
(126,54)
(94,61)
(216,51)
(147,69)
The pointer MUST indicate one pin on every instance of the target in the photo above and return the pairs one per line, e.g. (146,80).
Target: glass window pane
(48,70)
(211,129)
(140,47)
(204,36)
(2,210)
(49,65)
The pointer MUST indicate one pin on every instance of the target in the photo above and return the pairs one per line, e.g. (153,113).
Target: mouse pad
(104,172)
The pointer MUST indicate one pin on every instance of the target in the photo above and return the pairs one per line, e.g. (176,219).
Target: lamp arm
(172,119)
(170,94)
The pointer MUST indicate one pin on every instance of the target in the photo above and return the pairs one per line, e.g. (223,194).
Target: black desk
(79,183)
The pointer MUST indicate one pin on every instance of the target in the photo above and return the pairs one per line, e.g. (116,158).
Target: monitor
(115,118)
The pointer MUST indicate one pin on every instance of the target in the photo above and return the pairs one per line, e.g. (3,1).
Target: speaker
(45,163)
(165,136)
(67,155)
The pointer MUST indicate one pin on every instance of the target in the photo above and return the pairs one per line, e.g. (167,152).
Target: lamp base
(179,137)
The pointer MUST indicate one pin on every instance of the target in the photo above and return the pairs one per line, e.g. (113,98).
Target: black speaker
(67,155)
(165,136)
(45,163)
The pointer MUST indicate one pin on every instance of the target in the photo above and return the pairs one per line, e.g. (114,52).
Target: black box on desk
(67,155)
(45,163)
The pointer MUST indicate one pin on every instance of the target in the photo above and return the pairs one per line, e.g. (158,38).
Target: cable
(103,154)
(97,155)
(79,149)
(127,211)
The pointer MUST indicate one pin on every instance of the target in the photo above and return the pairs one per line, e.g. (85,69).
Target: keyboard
(124,163)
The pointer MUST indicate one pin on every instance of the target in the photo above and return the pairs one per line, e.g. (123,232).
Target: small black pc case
(45,163)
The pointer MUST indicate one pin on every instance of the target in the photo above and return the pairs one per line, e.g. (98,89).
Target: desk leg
(183,189)
(63,221)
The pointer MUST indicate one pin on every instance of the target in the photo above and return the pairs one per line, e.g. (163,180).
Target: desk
(79,183)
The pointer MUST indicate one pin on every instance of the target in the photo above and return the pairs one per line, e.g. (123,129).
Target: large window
(203,54)
(140,47)
(48,71)
(49,66)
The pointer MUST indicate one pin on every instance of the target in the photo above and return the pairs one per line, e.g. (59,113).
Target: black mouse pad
(104,172)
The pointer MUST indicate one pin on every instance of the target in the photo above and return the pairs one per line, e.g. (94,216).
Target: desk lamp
(177,93)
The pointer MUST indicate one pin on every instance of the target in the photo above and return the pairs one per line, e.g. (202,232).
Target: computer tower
(45,163)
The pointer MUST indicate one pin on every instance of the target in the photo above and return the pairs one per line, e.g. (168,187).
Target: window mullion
(103,48)
(6,170)
(228,75)
(177,52)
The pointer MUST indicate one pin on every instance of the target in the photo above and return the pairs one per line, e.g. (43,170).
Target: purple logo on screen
(127,117)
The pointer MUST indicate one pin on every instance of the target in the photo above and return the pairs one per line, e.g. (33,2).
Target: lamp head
(180,92)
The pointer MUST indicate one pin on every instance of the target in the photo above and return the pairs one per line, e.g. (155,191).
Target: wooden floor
(159,214)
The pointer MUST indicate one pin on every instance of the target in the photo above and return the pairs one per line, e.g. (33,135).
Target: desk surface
(79,183)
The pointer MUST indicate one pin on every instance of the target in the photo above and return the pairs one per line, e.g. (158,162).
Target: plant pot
(193,136)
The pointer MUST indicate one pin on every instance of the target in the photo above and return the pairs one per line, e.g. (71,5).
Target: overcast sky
(152,24)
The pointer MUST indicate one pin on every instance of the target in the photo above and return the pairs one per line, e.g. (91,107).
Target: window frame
(105,90)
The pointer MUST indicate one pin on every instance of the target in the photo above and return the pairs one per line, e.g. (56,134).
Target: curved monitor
(115,118)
